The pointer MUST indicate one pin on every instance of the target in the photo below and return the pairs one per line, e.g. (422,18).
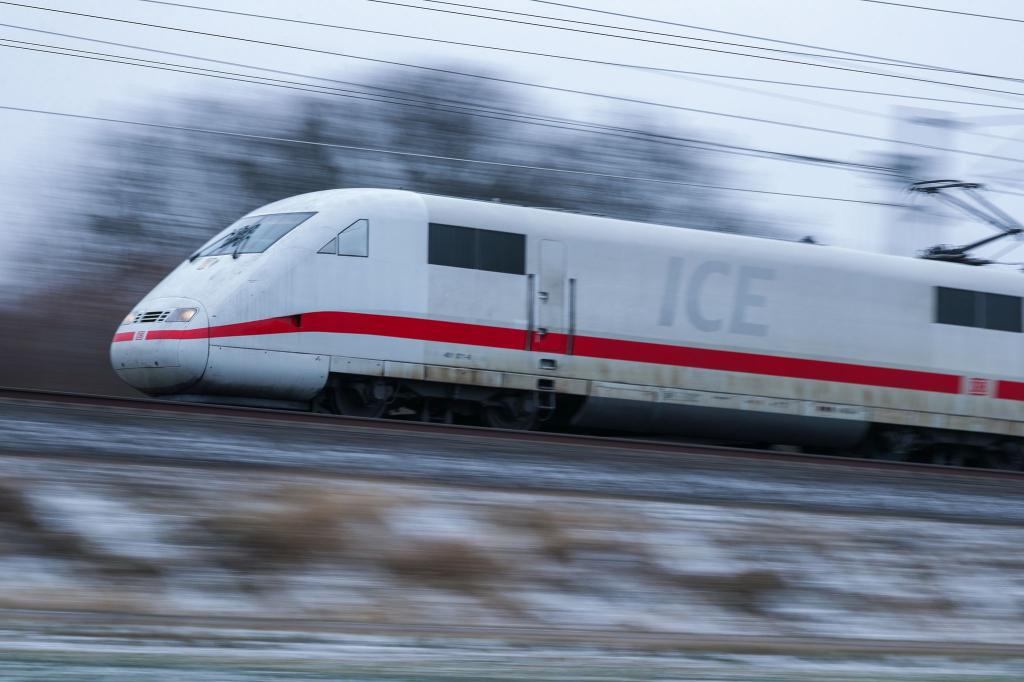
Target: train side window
(476,249)
(501,252)
(956,306)
(452,246)
(978,309)
(354,240)
(1001,312)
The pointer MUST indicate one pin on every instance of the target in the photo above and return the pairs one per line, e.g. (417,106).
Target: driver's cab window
(354,240)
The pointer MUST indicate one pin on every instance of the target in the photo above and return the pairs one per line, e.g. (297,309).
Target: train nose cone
(163,346)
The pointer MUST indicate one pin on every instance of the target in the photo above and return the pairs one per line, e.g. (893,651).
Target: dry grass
(22,527)
(447,563)
(293,525)
(15,510)
(566,537)
(747,591)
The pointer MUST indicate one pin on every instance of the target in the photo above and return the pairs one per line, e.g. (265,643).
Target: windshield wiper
(234,238)
(241,237)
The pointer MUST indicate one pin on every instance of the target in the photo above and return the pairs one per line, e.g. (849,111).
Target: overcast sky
(36,147)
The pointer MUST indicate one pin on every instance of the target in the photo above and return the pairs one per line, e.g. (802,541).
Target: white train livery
(383,302)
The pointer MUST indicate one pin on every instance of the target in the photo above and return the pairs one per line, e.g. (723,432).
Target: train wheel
(1012,458)
(369,398)
(515,412)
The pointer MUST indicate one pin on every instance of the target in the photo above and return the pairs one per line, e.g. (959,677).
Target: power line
(447,104)
(1006,191)
(470,109)
(701,74)
(437,157)
(705,49)
(691,73)
(665,22)
(945,11)
(169,3)
(708,112)
(487,47)
(586,93)
(865,59)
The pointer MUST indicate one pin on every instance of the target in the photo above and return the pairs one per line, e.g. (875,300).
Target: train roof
(567,224)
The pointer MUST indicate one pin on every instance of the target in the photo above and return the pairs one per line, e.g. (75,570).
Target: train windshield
(254,234)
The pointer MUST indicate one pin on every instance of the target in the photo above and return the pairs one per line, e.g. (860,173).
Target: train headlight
(128,319)
(181,315)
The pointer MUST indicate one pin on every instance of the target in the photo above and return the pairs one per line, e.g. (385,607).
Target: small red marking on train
(977,386)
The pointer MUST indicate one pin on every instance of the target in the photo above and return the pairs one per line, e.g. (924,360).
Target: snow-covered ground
(133,654)
(317,555)
(372,554)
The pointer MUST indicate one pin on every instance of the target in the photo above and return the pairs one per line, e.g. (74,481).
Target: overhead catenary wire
(965,130)
(734,116)
(438,157)
(706,49)
(453,105)
(863,59)
(665,22)
(306,22)
(491,47)
(701,74)
(946,11)
(470,110)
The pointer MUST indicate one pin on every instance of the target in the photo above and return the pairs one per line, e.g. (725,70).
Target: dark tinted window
(451,245)
(468,247)
(978,309)
(501,251)
(956,306)
(1001,312)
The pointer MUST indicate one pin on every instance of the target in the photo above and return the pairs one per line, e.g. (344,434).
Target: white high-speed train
(380,302)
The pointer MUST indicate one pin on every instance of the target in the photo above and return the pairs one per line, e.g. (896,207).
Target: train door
(552,331)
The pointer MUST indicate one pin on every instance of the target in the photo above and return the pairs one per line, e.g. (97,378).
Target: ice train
(392,303)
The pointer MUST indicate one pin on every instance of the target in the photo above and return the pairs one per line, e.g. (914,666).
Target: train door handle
(542,332)
(543,296)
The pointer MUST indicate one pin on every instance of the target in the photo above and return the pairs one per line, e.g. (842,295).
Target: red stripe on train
(586,346)
(771,365)
(1010,390)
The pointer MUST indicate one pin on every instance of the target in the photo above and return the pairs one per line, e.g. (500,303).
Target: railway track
(108,625)
(111,430)
(679,447)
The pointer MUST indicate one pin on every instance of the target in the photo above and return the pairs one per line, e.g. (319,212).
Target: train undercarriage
(379,397)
